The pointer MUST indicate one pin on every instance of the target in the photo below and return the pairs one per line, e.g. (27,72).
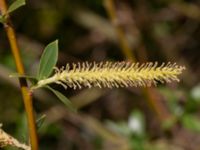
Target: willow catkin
(113,74)
(7,140)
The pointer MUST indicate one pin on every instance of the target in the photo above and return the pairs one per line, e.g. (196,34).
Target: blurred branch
(187,9)
(154,100)
(86,97)
(110,8)
(151,95)
(57,113)
(95,22)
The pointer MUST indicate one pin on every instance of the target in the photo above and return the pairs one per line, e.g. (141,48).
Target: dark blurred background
(159,118)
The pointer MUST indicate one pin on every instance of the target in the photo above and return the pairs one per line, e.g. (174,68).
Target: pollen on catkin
(113,74)
(7,140)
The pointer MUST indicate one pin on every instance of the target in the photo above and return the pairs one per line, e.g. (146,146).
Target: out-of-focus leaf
(63,99)
(191,122)
(172,100)
(48,60)
(1,19)
(15,5)
(21,128)
(135,125)
(51,130)
(40,121)
(119,127)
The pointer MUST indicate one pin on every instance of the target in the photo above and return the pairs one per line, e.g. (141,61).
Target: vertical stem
(155,103)
(109,5)
(151,95)
(26,94)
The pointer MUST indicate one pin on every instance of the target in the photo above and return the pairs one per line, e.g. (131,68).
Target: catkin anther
(113,74)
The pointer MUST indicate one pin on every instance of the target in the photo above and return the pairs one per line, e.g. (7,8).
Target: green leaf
(15,5)
(40,121)
(63,99)
(32,79)
(48,60)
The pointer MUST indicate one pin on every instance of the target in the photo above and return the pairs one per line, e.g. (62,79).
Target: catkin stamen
(113,74)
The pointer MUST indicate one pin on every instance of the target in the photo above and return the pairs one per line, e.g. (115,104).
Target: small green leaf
(40,121)
(63,99)
(15,5)
(48,60)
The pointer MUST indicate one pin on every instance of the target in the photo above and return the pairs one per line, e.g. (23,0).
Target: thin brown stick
(151,94)
(123,43)
(26,94)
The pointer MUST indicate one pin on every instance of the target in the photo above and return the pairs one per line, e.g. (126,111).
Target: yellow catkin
(113,74)
(7,140)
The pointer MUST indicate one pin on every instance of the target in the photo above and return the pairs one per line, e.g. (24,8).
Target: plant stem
(123,43)
(153,101)
(26,94)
